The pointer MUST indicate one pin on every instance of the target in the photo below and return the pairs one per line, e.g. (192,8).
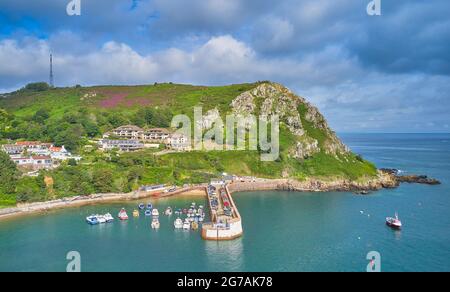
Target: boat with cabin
(394,222)
(155,223)
(92,220)
(109,218)
(123,214)
(168,211)
(178,224)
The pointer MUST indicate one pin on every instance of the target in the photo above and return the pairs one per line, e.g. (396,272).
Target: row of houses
(36,155)
(132,138)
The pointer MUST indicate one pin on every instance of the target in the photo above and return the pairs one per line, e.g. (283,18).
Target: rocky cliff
(304,121)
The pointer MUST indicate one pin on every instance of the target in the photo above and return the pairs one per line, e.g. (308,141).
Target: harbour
(283,230)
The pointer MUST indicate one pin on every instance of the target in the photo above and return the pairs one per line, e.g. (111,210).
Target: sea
(283,231)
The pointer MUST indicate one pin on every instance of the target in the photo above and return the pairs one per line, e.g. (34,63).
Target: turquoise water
(282,231)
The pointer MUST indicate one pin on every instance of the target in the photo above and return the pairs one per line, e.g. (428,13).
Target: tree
(103,180)
(37,86)
(9,174)
(41,116)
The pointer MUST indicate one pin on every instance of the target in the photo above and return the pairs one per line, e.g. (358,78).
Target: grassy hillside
(75,116)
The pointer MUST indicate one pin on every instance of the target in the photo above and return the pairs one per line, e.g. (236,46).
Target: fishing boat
(92,220)
(101,219)
(149,206)
(123,214)
(155,223)
(155,212)
(148,213)
(135,213)
(109,218)
(168,211)
(141,206)
(178,224)
(394,222)
(194,225)
(186,225)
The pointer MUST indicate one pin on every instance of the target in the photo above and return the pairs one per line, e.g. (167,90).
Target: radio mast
(51,71)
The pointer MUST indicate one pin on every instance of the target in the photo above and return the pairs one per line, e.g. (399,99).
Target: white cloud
(351,96)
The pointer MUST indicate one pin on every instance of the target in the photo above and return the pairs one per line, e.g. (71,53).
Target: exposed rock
(418,179)
(274,99)
(306,147)
(209,118)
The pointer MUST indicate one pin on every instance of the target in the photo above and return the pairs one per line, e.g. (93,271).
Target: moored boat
(194,225)
(123,214)
(155,223)
(148,213)
(109,218)
(135,213)
(394,222)
(149,206)
(141,206)
(178,224)
(168,211)
(101,219)
(186,225)
(155,212)
(92,220)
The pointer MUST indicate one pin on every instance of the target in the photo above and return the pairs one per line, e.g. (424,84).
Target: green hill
(75,116)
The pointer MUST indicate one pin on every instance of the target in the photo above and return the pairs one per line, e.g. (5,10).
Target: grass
(175,168)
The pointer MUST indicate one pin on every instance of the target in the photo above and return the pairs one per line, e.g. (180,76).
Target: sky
(388,73)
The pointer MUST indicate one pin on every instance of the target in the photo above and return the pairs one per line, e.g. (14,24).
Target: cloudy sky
(388,73)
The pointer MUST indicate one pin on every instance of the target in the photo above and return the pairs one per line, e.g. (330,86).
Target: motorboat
(201,218)
(185,211)
(92,220)
(148,213)
(194,225)
(141,206)
(155,223)
(394,222)
(186,225)
(178,212)
(123,214)
(101,219)
(135,213)
(178,224)
(168,211)
(149,206)
(155,212)
(108,217)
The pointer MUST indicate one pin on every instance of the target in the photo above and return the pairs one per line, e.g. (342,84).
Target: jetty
(226,222)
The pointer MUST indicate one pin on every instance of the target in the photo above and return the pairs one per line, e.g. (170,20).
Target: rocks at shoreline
(418,179)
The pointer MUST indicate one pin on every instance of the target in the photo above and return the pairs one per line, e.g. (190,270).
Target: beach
(383,180)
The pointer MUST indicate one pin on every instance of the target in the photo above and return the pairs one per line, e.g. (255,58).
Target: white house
(179,142)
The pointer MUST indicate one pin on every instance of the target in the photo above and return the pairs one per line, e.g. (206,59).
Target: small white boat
(178,224)
(123,215)
(186,225)
(394,222)
(155,224)
(108,217)
(101,219)
(168,211)
(155,212)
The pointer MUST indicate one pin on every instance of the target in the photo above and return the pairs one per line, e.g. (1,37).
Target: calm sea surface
(282,231)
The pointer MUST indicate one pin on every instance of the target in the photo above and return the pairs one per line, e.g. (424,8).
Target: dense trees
(8,174)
